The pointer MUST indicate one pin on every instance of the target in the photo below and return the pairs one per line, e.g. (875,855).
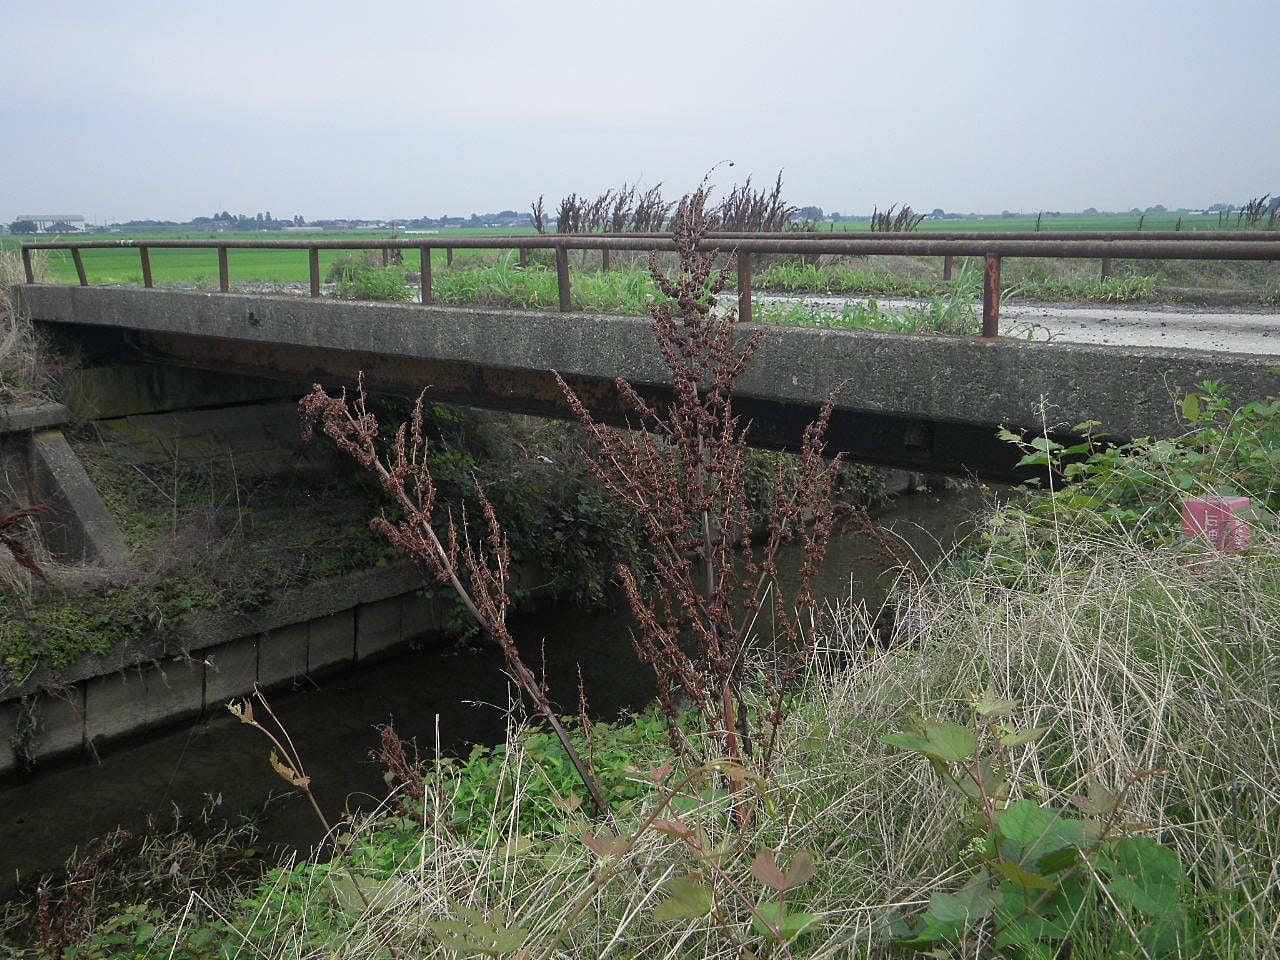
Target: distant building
(56,222)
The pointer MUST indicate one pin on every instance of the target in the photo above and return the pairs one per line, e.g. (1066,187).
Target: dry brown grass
(1133,664)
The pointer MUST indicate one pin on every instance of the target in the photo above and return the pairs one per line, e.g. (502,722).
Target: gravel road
(1156,326)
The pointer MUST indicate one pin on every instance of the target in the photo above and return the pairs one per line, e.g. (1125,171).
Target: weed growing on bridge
(358,279)
(896,220)
(683,473)
(1134,489)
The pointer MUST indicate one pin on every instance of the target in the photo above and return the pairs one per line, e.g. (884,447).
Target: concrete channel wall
(325,627)
(330,626)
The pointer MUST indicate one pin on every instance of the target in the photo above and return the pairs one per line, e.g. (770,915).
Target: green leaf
(940,740)
(790,925)
(473,935)
(1024,878)
(1024,822)
(968,905)
(1016,738)
(1025,917)
(1145,875)
(989,705)
(1058,861)
(1191,407)
(687,897)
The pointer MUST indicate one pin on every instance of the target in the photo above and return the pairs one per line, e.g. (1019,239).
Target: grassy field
(200,267)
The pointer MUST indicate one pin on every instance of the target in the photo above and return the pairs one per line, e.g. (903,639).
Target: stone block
(41,416)
(59,723)
(230,671)
(419,615)
(8,730)
(282,655)
(378,627)
(331,641)
(119,704)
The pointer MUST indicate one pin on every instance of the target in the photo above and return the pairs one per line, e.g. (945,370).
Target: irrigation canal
(456,699)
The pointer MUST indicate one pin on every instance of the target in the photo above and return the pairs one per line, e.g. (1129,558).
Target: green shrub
(361,280)
(1135,489)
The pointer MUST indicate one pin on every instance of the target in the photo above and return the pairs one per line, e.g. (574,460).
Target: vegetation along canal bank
(1026,759)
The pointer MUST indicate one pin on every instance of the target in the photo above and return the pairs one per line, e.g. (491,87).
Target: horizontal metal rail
(987,234)
(1166,245)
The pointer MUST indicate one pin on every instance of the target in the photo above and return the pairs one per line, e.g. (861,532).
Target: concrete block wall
(97,709)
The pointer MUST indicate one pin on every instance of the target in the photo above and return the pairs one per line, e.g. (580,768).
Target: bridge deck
(918,401)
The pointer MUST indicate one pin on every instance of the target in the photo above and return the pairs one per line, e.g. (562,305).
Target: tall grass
(1133,664)
(1030,280)
(630,292)
(534,287)
(24,373)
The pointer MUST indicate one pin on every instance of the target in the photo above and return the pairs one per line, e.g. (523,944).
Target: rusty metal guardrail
(1106,247)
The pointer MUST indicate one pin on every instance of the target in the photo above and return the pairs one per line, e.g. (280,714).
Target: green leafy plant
(1043,877)
(1099,488)
(360,280)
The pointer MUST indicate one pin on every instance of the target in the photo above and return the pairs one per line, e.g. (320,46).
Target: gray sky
(119,110)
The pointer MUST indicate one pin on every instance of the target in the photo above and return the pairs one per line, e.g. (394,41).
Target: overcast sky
(123,110)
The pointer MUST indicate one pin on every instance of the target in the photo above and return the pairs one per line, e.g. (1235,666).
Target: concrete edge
(39,417)
(89,531)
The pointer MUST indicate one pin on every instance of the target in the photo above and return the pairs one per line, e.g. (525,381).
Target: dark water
(461,697)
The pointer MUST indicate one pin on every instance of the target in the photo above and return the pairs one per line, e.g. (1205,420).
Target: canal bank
(448,694)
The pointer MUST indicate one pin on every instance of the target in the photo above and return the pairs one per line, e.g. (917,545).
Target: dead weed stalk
(683,473)
(476,567)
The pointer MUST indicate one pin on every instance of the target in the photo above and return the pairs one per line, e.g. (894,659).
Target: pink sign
(1215,519)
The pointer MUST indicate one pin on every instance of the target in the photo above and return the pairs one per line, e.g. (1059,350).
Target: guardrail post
(744,287)
(562,278)
(27,268)
(1106,268)
(947,263)
(224,271)
(76,259)
(426,275)
(991,297)
(524,256)
(448,256)
(606,258)
(145,256)
(313,257)
(386,256)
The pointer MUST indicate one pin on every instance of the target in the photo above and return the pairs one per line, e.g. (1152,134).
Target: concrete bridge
(922,402)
